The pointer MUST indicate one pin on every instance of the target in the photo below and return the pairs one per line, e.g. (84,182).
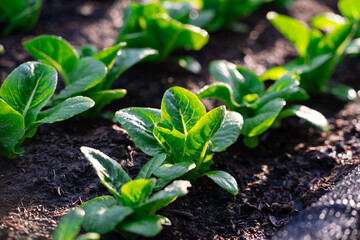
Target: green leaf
(135,16)
(170,171)
(227,12)
(220,91)
(328,21)
(150,167)
(174,139)
(181,108)
(137,191)
(147,226)
(241,80)
(111,174)
(332,41)
(12,129)
(226,72)
(69,225)
(161,183)
(87,51)
(295,31)
(274,73)
(263,118)
(178,10)
(125,60)
(149,25)
(103,214)
(55,51)
(20,14)
(84,75)
(283,82)
(251,84)
(109,55)
(317,68)
(2,49)
(104,97)
(353,48)
(88,236)
(28,88)
(228,132)
(175,35)
(140,123)
(199,136)
(251,142)
(224,180)
(65,110)
(310,115)
(204,18)
(163,198)
(287,87)
(350,8)
(342,92)
(188,63)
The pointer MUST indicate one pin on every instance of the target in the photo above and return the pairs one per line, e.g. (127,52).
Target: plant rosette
(23,95)
(186,134)
(131,210)
(243,91)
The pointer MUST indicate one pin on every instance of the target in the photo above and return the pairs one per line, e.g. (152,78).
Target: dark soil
(293,166)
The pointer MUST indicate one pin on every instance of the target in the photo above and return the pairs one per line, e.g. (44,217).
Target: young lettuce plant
(328,22)
(23,95)
(149,25)
(186,134)
(319,54)
(242,91)
(131,210)
(19,14)
(90,76)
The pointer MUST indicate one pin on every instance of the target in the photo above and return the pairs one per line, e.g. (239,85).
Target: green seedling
(186,134)
(319,55)
(91,76)
(131,210)
(19,14)
(242,91)
(149,25)
(329,22)
(23,95)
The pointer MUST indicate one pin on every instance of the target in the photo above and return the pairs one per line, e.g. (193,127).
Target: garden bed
(292,167)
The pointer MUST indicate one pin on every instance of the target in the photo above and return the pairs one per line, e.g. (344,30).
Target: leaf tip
(271,15)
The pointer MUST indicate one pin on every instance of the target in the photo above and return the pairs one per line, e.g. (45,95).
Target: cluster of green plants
(149,25)
(320,53)
(90,73)
(186,134)
(130,211)
(23,95)
(242,91)
(181,137)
